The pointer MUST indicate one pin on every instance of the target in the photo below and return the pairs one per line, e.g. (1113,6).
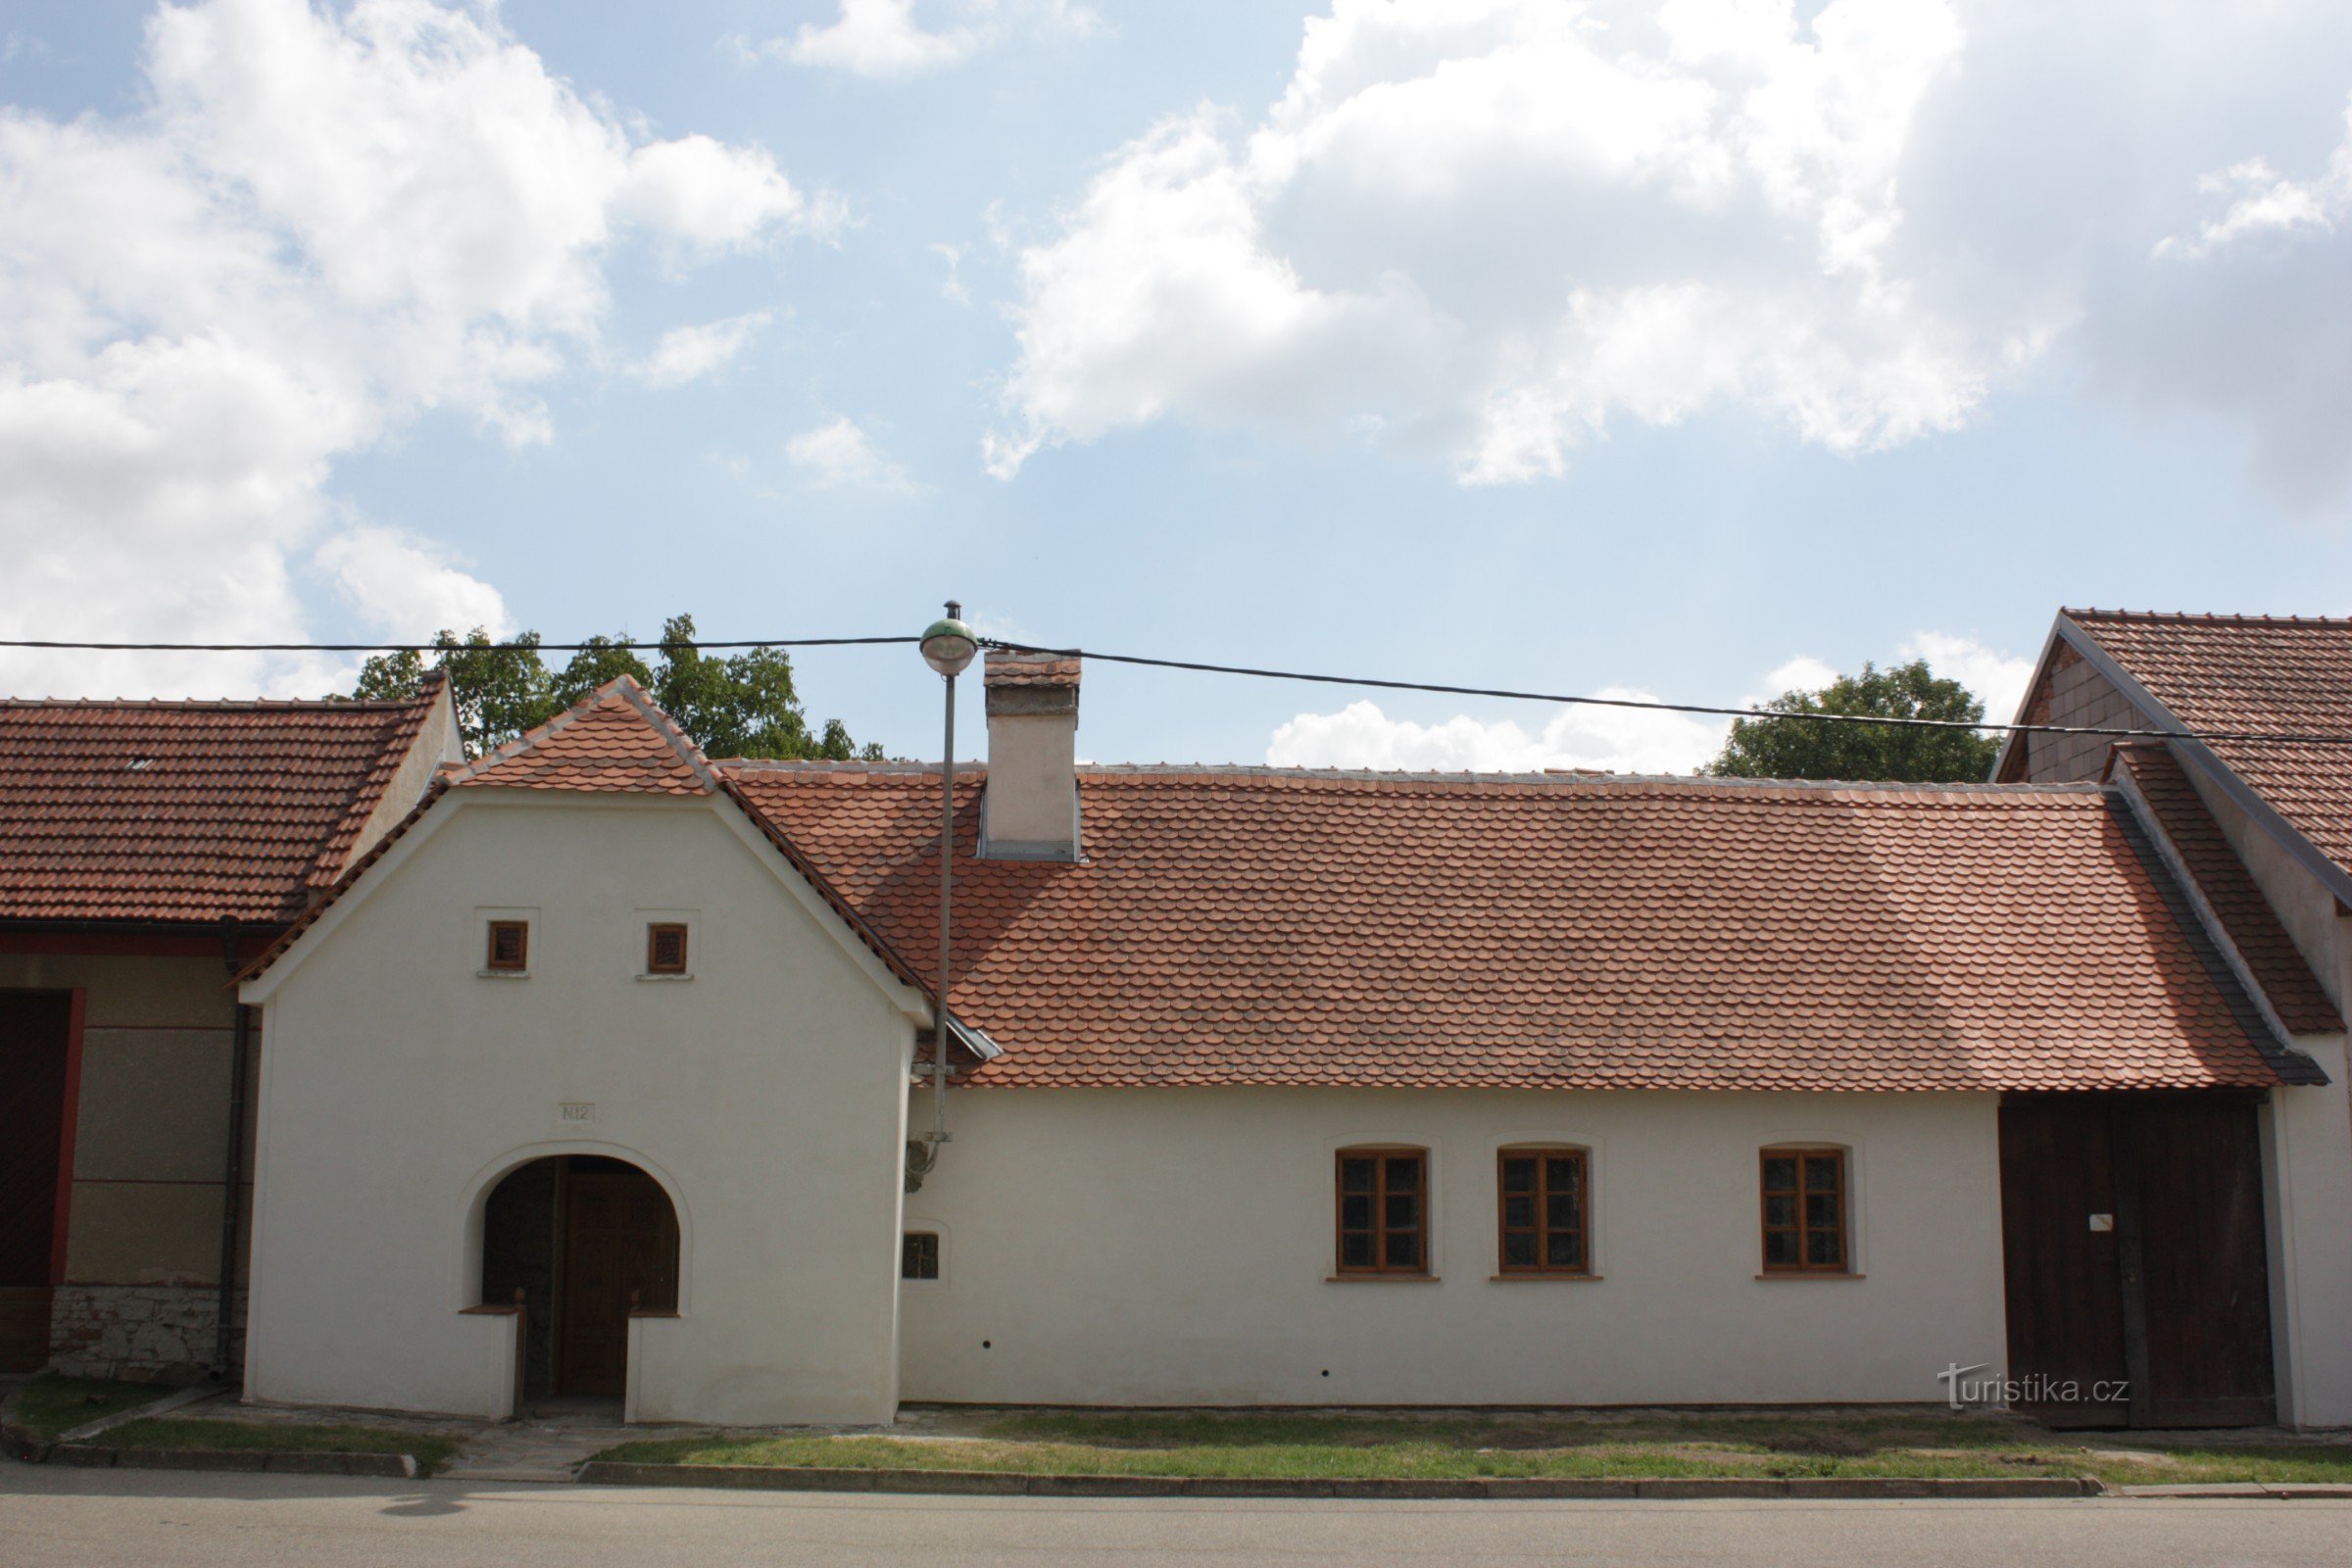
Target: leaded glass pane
(1780,1249)
(1779,1210)
(1404,1174)
(1356,1211)
(1518,1175)
(1559,1211)
(1404,1249)
(1780,1173)
(1564,1250)
(1821,1248)
(1562,1175)
(1355,1252)
(1821,1171)
(1519,1212)
(1355,1175)
(1404,1210)
(1821,1210)
(1519,1250)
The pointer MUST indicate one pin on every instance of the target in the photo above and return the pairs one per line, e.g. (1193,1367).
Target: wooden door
(2204,1265)
(2136,1266)
(620,1251)
(35,1046)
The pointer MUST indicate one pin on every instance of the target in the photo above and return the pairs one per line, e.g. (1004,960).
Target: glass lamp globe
(949,644)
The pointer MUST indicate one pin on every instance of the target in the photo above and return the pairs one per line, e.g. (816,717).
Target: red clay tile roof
(2228,887)
(1253,927)
(197,811)
(2252,674)
(614,740)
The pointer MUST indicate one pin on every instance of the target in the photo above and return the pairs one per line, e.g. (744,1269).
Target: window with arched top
(1543,1210)
(1383,1212)
(1806,1214)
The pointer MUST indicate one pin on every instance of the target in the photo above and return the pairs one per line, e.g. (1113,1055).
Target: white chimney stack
(1029,811)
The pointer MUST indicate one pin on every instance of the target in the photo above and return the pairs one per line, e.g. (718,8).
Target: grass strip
(433,1449)
(49,1405)
(1273,1446)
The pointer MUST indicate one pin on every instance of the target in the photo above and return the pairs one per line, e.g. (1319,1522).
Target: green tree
(743,705)
(1798,748)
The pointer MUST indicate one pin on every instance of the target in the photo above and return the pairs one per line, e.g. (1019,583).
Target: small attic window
(140,765)
(510,946)
(666,948)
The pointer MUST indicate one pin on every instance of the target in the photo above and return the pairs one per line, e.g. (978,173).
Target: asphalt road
(158,1519)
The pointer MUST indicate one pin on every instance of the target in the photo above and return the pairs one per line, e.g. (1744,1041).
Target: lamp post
(948,647)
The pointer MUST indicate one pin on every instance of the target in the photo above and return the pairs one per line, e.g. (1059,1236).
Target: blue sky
(1688,350)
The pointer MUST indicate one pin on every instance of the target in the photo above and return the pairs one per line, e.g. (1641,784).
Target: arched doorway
(582,1241)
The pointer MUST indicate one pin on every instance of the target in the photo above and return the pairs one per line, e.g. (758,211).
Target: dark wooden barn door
(35,1045)
(2137,1261)
(620,1251)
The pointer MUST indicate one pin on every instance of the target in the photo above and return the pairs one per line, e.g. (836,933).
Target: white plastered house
(1275,1087)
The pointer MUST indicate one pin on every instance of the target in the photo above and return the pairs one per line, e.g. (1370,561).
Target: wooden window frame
(654,930)
(522,948)
(905,1239)
(1543,1231)
(1803,1230)
(1381,1267)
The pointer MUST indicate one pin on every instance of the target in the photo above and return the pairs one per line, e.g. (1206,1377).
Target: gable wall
(766,1092)
(2075,694)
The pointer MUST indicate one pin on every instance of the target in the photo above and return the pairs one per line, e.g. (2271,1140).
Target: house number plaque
(576,1112)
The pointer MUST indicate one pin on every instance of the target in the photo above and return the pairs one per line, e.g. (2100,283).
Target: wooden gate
(621,1252)
(36,1031)
(2137,1261)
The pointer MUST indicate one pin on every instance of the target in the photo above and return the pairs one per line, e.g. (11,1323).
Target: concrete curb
(1006,1484)
(276,1462)
(2285,1490)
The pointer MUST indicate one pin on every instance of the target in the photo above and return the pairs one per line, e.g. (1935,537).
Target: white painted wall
(1174,1247)
(767,1095)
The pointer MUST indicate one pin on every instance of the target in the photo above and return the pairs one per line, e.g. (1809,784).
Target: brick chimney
(1030,808)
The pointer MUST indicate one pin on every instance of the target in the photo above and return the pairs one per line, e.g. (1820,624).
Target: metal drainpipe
(232,1176)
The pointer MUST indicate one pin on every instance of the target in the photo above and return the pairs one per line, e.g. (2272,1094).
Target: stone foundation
(142,1333)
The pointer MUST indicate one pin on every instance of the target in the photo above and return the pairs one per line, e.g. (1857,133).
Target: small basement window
(664,949)
(919,1257)
(510,946)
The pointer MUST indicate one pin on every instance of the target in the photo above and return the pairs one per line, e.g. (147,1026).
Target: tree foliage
(1796,748)
(745,705)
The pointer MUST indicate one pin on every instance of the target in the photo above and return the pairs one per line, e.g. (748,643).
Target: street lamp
(948,648)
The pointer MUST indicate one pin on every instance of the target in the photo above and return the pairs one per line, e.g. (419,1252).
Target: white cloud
(1491,231)
(1998,679)
(689,353)
(841,457)
(1615,739)
(1492,228)
(881,39)
(321,224)
(406,588)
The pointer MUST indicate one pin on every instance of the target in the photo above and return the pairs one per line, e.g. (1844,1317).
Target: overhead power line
(1195,666)
(449,648)
(1651,705)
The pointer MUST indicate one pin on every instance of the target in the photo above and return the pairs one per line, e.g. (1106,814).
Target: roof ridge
(2210,618)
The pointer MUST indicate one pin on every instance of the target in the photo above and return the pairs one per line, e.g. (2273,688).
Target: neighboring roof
(157,811)
(613,741)
(2229,889)
(2253,675)
(1275,927)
